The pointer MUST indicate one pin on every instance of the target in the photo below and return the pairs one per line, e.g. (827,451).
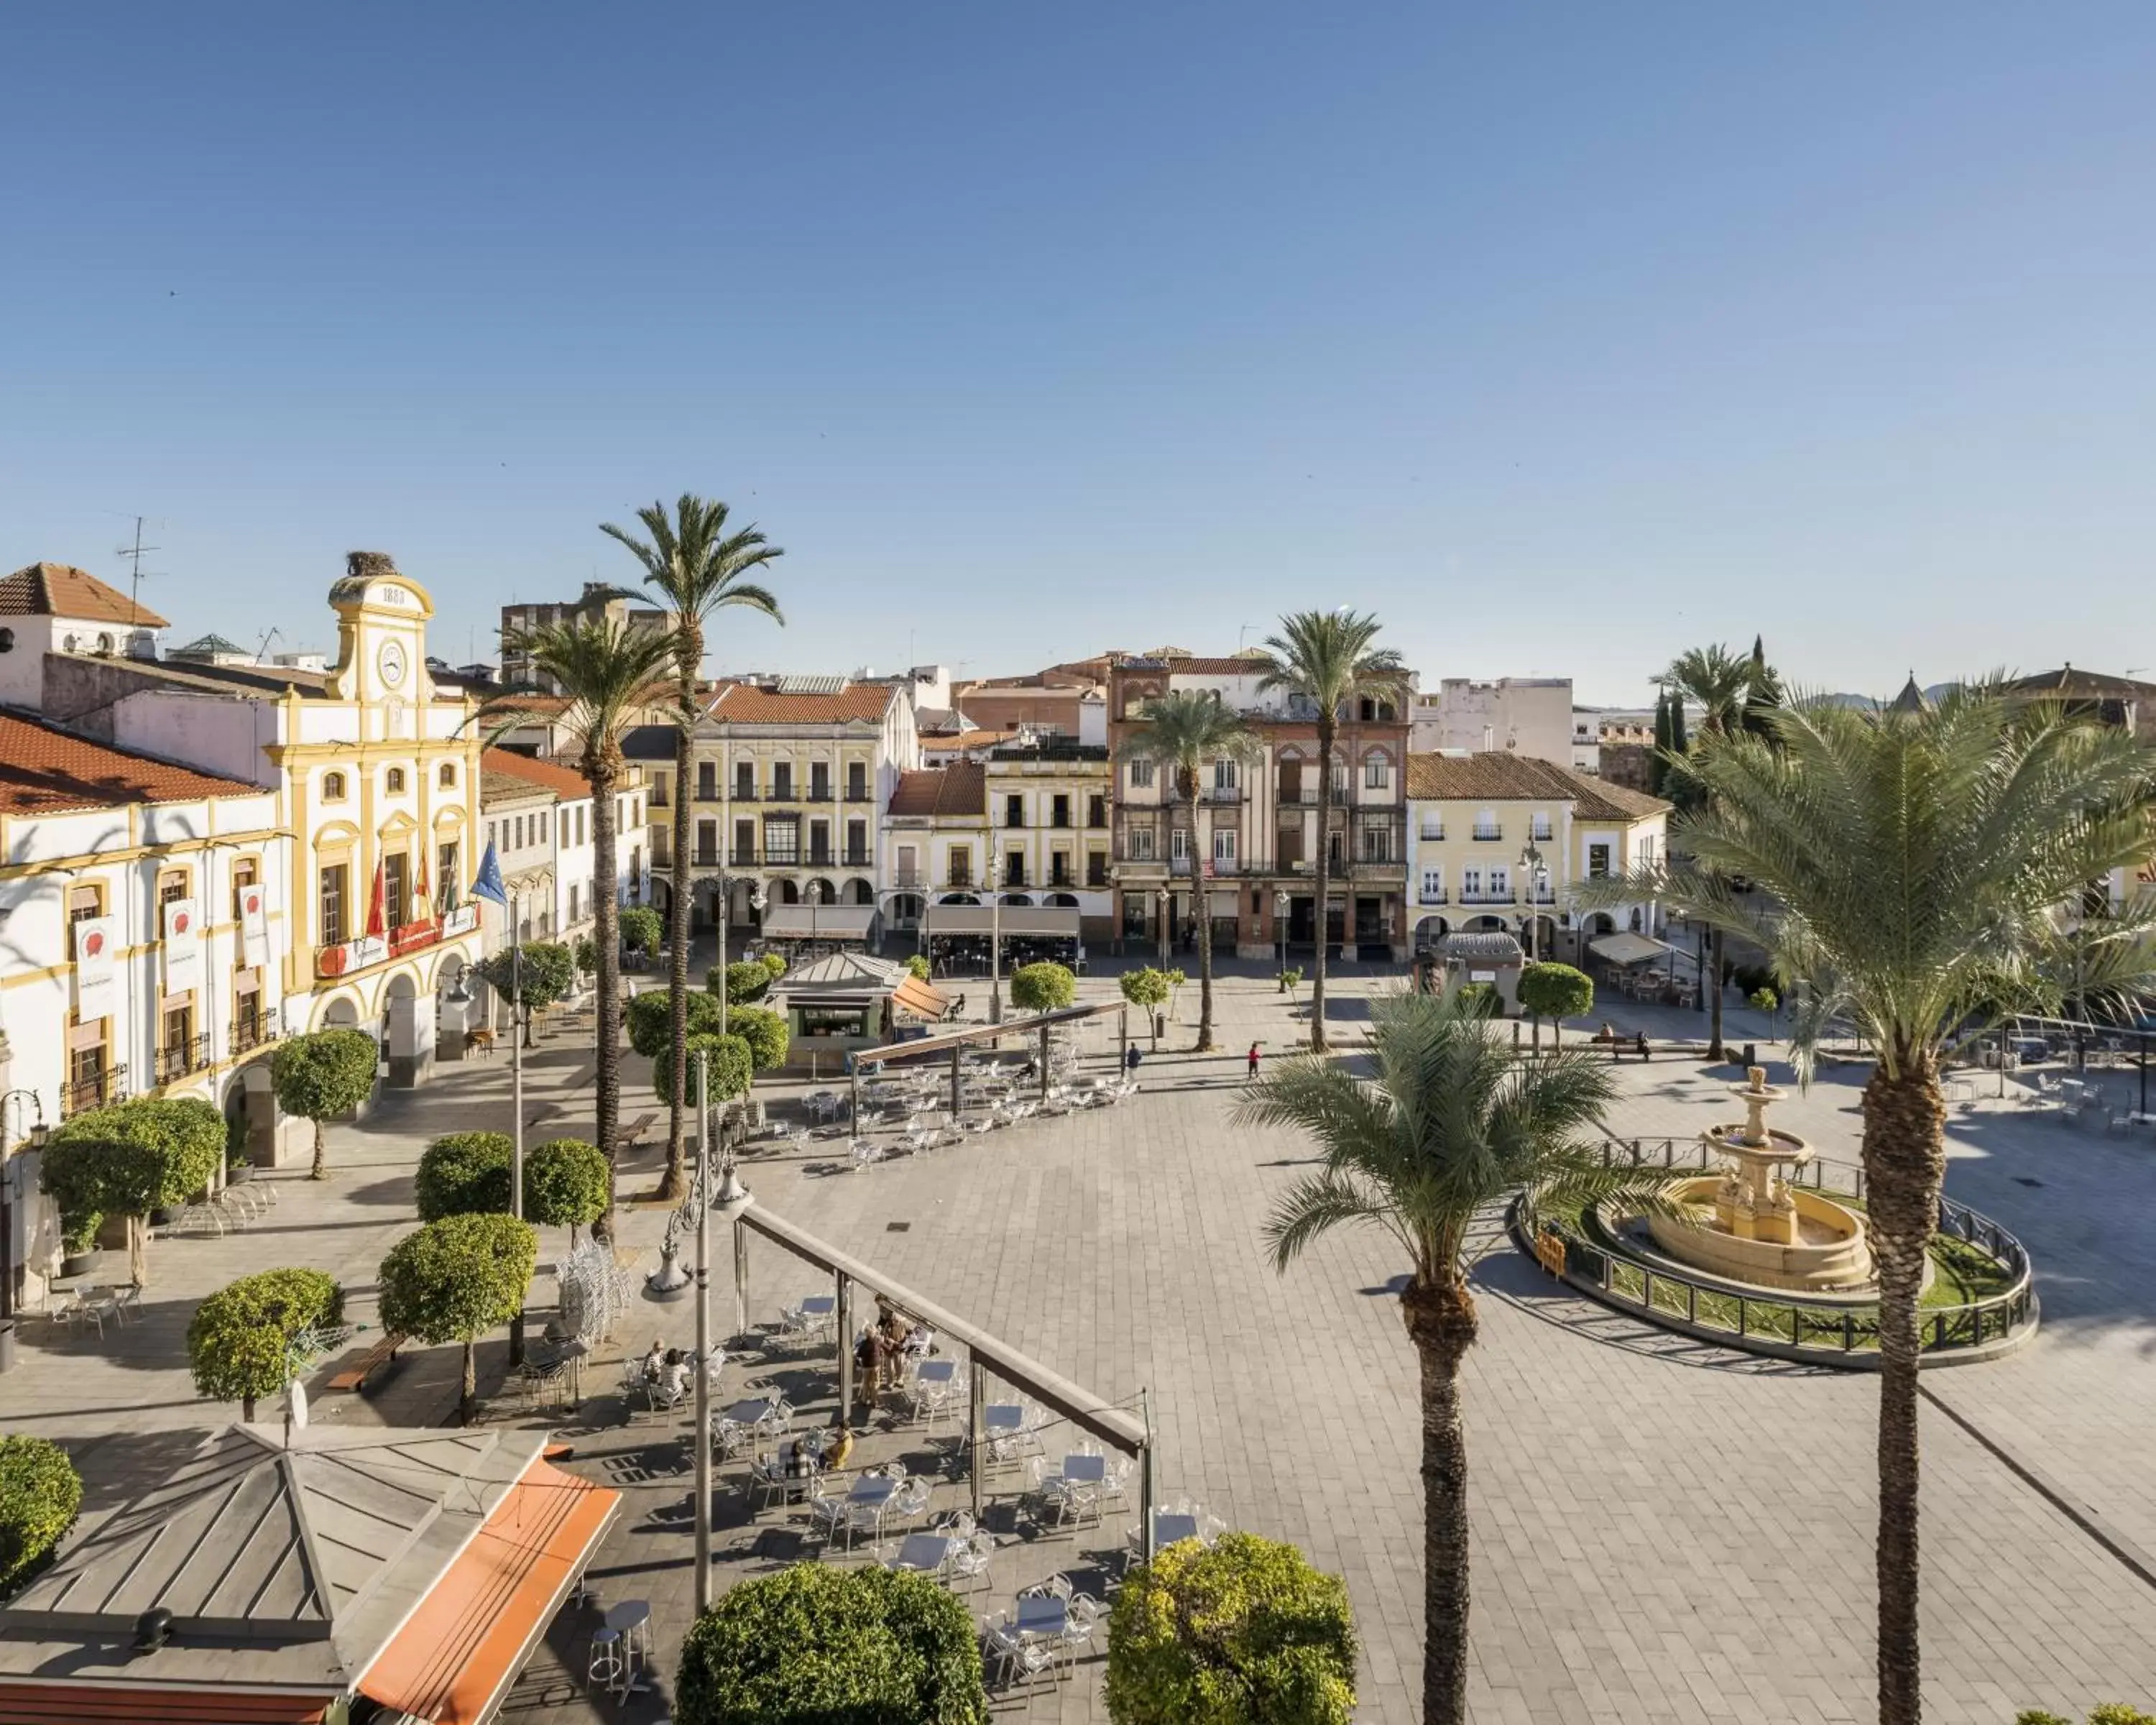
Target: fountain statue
(1764,1230)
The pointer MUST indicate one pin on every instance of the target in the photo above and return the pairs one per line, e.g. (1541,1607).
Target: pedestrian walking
(1254,1062)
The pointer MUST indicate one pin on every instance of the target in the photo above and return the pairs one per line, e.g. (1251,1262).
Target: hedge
(238,1338)
(812,1646)
(40,1496)
(1244,1632)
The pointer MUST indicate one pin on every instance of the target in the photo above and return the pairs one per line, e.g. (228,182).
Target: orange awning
(919,998)
(458,1653)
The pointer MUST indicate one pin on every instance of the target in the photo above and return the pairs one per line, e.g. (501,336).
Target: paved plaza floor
(1663,1530)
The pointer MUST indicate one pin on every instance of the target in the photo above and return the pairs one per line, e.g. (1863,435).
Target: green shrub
(587,953)
(131,1158)
(1043,986)
(79,1231)
(774,964)
(733,1064)
(1288,978)
(1480,996)
(40,1496)
(650,1020)
(238,1339)
(2110,1713)
(1243,1632)
(322,1076)
(536,974)
(642,928)
(565,1184)
(463,1174)
(1764,1000)
(916,966)
(764,1031)
(745,980)
(812,1646)
(454,1280)
(1556,992)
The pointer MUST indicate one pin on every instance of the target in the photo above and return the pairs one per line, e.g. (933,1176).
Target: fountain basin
(1829,1253)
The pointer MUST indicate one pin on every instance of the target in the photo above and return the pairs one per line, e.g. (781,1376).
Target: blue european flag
(488,884)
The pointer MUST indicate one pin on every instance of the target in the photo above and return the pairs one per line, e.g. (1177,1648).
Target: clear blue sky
(1564,336)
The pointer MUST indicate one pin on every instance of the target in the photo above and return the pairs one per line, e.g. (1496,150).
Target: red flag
(375,922)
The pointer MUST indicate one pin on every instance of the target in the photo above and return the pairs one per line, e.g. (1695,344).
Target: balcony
(181,1058)
(856,860)
(857,793)
(247,1037)
(1432,835)
(741,859)
(744,794)
(958,883)
(1487,898)
(821,859)
(820,793)
(95,1092)
(910,880)
(346,957)
(1097,878)
(1433,896)
(706,857)
(774,859)
(1488,835)
(1224,793)
(782,793)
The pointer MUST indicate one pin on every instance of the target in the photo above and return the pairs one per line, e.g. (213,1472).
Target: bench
(378,1358)
(632,1135)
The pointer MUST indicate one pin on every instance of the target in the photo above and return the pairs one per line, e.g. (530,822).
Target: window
(333,788)
(745,780)
(1598,862)
(1224,848)
(659,790)
(332,905)
(962,865)
(1059,868)
(245,872)
(1432,886)
(1377,843)
(707,781)
(540,822)
(1471,884)
(1540,826)
(1339,779)
(1500,883)
(819,841)
(447,778)
(782,843)
(177,1044)
(394,781)
(857,843)
(1096,811)
(1014,869)
(1179,845)
(583,823)
(857,782)
(448,879)
(1141,844)
(577,909)
(170,885)
(820,781)
(516,842)
(1377,772)
(1433,825)
(1060,812)
(1487,827)
(707,842)
(909,865)
(745,841)
(1014,811)
(1097,868)
(782,782)
(397,890)
(84,902)
(1140,775)
(1223,773)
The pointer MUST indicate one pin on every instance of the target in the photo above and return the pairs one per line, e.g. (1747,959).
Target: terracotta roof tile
(958,789)
(746,705)
(60,590)
(536,774)
(1495,776)
(1216,667)
(44,770)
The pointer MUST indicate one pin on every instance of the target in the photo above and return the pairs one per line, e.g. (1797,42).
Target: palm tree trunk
(1712,985)
(1904,1168)
(1323,873)
(606,907)
(1201,913)
(675,1185)
(1441,1323)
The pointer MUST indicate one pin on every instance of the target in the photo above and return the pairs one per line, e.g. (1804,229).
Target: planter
(80,1263)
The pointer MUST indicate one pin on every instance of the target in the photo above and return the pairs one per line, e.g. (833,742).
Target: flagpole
(516,1099)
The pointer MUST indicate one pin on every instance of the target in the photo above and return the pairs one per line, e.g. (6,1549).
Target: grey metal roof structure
(812,685)
(1480,947)
(304,1560)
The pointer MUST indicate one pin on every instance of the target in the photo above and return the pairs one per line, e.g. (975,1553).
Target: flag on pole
(376,922)
(489,883)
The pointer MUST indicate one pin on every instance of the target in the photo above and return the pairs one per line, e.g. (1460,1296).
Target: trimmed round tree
(453,1281)
(1042,987)
(916,966)
(764,1031)
(463,1174)
(1147,988)
(812,1645)
(543,973)
(642,929)
(650,1020)
(239,1337)
(131,1158)
(322,1076)
(40,1496)
(1555,992)
(733,1065)
(744,980)
(566,1184)
(775,964)
(1244,1632)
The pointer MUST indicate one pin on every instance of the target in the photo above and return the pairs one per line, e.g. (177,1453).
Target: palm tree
(603,670)
(1181,732)
(1449,1126)
(1331,657)
(699,568)
(1722,686)
(1928,867)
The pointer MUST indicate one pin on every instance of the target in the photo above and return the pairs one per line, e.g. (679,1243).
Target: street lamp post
(1530,863)
(995,948)
(757,899)
(1167,907)
(1281,903)
(731,1200)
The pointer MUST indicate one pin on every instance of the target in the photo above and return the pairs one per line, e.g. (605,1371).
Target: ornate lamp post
(1530,865)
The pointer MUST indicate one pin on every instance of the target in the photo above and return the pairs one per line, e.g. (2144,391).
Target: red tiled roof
(60,590)
(1495,776)
(961,788)
(1217,667)
(44,770)
(545,775)
(745,704)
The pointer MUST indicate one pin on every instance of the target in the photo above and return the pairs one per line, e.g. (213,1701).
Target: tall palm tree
(1181,732)
(1722,686)
(603,670)
(698,568)
(1450,1126)
(1928,868)
(1331,657)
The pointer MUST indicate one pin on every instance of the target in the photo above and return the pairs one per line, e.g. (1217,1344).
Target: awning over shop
(464,1645)
(1052,921)
(1628,949)
(819,922)
(922,999)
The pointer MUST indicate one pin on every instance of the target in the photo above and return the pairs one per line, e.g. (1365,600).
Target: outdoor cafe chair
(1015,1658)
(766,1475)
(829,1511)
(970,1558)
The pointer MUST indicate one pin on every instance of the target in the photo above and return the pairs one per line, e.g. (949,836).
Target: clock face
(391,662)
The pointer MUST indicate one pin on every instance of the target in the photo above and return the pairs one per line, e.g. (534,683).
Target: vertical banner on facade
(183,946)
(96,940)
(253,927)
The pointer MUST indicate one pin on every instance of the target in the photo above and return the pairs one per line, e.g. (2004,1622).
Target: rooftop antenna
(134,554)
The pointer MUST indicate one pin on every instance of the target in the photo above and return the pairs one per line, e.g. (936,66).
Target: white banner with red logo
(96,987)
(254,926)
(183,945)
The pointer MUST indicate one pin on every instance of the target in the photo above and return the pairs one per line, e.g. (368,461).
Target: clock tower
(381,634)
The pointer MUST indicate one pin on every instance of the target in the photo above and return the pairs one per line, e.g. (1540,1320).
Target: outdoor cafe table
(1003,1417)
(1168,1529)
(937,1371)
(1085,1469)
(1043,1615)
(925,1552)
(819,1304)
(750,1413)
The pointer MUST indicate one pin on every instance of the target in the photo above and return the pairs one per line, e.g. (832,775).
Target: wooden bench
(632,1135)
(377,1358)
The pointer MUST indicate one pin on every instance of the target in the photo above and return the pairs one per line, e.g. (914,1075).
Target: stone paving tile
(1633,1492)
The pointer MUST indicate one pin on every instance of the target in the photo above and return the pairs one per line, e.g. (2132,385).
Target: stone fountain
(1762,1230)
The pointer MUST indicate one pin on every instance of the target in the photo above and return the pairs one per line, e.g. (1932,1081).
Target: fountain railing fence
(1789,1320)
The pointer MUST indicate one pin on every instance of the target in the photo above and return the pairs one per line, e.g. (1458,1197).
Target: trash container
(6,1345)
(1751,1055)
(1160,1023)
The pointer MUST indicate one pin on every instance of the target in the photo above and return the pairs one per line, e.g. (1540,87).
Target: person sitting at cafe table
(840,1448)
